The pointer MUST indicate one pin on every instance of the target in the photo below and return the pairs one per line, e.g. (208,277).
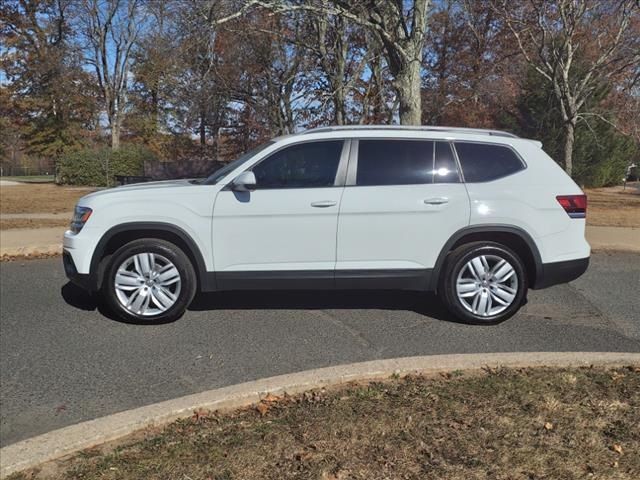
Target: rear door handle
(436,201)
(324,204)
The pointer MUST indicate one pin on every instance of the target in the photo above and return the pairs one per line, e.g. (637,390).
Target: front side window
(306,165)
(216,176)
(483,162)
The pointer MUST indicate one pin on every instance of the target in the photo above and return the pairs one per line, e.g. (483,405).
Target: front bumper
(561,272)
(82,280)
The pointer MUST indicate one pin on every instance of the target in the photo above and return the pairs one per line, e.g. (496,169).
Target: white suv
(478,216)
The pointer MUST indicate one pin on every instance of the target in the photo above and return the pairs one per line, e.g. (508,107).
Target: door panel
(269,230)
(397,215)
(391,227)
(289,222)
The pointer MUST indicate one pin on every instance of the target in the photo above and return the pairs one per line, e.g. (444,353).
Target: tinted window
(394,162)
(445,169)
(307,165)
(221,172)
(482,162)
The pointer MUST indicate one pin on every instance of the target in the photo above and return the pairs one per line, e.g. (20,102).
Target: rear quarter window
(483,162)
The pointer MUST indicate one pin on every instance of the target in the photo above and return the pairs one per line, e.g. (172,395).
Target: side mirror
(245,182)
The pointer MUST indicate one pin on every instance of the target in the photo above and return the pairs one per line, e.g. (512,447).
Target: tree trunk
(569,129)
(408,85)
(338,105)
(115,134)
(203,130)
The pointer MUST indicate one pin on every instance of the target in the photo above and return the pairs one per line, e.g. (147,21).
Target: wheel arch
(124,233)
(513,237)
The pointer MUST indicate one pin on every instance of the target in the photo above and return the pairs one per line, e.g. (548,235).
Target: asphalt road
(62,361)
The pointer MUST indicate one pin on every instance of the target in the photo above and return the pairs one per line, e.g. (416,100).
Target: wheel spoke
(145,262)
(466,285)
(499,300)
(497,266)
(136,300)
(169,277)
(163,298)
(126,280)
(477,267)
(504,273)
(502,292)
(483,304)
(485,264)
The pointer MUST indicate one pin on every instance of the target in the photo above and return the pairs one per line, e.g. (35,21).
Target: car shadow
(426,304)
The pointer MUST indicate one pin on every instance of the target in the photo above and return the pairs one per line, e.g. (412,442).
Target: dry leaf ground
(40,198)
(614,206)
(458,426)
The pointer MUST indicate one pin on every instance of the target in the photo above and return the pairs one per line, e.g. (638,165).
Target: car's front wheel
(149,280)
(483,282)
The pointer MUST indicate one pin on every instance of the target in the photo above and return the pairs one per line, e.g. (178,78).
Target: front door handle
(436,201)
(324,204)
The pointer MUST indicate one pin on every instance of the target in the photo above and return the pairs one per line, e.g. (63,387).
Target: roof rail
(425,128)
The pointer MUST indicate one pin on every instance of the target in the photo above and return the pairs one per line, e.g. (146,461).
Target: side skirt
(410,279)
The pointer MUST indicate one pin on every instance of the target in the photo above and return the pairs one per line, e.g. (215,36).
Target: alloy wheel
(487,285)
(147,284)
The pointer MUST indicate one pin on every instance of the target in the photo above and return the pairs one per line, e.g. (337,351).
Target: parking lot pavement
(62,361)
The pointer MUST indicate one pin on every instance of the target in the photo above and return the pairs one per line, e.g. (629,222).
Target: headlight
(80,217)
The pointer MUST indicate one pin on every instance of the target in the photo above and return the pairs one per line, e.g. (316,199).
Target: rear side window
(482,162)
(306,165)
(444,164)
(394,162)
(405,162)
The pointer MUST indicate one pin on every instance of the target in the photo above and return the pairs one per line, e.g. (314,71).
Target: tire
(153,277)
(483,283)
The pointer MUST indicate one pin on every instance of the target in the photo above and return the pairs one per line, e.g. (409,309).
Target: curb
(65,441)
(40,251)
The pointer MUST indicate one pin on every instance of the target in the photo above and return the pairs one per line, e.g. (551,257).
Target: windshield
(223,171)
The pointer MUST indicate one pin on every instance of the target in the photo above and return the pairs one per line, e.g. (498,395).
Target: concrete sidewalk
(31,242)
(48,241)
(614,238)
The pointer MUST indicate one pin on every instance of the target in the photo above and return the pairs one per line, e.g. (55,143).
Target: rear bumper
(561,272)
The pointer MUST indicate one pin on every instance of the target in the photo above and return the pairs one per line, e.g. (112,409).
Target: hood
(161,184)
(141,188)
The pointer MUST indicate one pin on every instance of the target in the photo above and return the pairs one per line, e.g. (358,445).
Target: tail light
(574,205)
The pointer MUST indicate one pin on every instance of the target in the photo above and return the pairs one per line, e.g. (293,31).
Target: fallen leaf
(617,448)
(262,409)
(199,413)
(271,398)
(548,426)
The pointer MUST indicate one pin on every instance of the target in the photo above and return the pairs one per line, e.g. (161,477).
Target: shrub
(98,167)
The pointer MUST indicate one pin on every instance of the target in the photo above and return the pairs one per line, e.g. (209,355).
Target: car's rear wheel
(483,283)
(149,280)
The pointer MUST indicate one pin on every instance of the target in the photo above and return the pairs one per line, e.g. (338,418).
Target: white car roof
(405,131)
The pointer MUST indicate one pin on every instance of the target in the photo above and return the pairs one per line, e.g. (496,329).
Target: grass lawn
(31,179)
(498,424)
(41,198)
(614,207)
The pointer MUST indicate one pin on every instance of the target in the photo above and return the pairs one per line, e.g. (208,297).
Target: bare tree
(111,28)
(576,45)
(400,26)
